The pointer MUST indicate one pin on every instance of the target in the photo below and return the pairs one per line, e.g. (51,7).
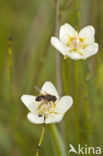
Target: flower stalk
(58,60)
(10,67)
(85,101)
(77,14)
(58,64)
(76,80)
(41,139)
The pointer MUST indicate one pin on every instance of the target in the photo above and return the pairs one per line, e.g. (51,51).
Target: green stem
(77,14)
(10,69)
(40,141)
(76,102)
(58,59)
(57,140)
(85,102)
(76,79)
(58,65)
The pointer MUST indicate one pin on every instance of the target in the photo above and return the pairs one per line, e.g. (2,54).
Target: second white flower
(76,45)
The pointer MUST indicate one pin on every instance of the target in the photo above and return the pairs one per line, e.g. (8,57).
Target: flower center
(46,108)
(76,43)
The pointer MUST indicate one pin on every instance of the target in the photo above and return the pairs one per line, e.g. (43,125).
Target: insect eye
(54,98)
(38,98)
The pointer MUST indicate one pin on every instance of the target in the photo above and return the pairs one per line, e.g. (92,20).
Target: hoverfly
(47,97)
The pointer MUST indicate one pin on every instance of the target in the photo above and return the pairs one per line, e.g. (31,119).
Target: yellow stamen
(76,43)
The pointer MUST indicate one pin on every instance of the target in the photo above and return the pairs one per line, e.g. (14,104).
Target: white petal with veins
(64,104)
(66,31)
(49,88)
(35,119)
(88,34)
(54,118)
(75,55)
(30,102)
(91,50)
(59,46)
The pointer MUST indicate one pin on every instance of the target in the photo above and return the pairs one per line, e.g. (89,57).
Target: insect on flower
(76,45)
(47,107)
(47,98)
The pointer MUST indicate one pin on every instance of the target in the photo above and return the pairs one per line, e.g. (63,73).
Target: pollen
(46,108)
(76,43)
(81,39)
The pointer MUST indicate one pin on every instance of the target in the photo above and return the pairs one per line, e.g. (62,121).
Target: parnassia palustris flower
(74,44)
(47,107)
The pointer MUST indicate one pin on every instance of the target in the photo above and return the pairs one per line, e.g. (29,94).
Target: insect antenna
(37,88)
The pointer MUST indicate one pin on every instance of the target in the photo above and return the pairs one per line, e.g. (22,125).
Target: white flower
(76,45)
(44,111)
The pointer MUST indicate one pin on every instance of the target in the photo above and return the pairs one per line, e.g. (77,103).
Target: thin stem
(58,60)
(76,79)
(57,17)
(10,68)
(58,64)
(85,101)
(11,98)
(41,139)
(77,14)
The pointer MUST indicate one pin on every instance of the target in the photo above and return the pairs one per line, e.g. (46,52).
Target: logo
(85,150)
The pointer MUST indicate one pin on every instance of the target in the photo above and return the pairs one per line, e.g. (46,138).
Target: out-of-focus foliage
(31,23)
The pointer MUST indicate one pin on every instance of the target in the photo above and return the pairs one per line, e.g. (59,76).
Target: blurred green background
(33,61)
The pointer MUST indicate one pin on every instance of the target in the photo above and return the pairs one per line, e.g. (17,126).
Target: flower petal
(66,51)
(91,50)
(63,49)
(30,102)
(66,31)
(35,119)
(53,118)
(75,55)
(49,88)
(88,34)
(64,104)
(85,53)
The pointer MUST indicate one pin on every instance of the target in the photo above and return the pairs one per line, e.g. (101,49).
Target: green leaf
(58,140)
